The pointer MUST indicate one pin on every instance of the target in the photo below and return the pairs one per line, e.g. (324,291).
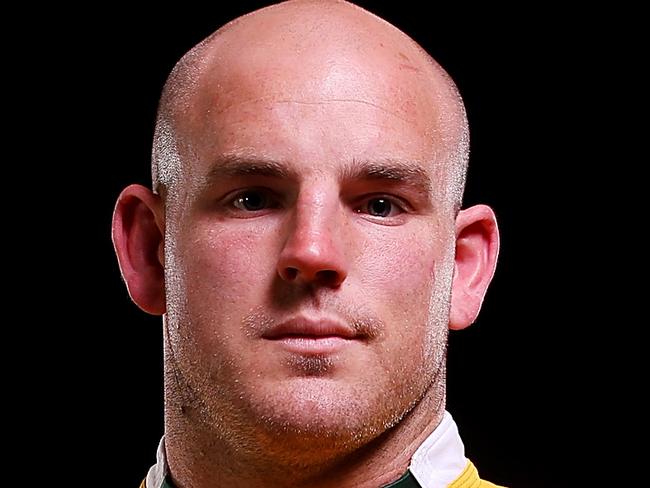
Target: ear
(138,230)
(477,248)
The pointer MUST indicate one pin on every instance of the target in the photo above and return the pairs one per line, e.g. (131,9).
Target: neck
(198,458)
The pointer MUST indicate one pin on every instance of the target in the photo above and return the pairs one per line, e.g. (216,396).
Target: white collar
(438,461)
(158,471)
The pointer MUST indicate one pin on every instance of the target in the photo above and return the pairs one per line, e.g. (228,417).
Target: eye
(254,200)
(380,207)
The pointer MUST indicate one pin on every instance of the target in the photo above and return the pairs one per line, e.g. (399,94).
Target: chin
(325,413)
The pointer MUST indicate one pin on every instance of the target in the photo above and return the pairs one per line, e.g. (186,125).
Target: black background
(512,379)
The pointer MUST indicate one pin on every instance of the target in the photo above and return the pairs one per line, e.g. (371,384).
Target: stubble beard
(314,422)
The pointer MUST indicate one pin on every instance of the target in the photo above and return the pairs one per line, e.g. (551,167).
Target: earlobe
(138,230)
(477,248)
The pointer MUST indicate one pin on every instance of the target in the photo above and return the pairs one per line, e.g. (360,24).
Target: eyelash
(267,196)
(394,204)
(270,201)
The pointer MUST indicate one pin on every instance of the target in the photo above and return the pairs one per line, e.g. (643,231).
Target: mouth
(312,336)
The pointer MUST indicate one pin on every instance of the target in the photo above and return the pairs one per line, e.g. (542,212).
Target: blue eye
(380,207)
(252,201)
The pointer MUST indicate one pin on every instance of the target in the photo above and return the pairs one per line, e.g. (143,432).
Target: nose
(314,249)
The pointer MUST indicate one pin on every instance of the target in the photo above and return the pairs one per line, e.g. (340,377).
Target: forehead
(316,103)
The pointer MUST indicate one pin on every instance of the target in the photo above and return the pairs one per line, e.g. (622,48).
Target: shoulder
(469,478)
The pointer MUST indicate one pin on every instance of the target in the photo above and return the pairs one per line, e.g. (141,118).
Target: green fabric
(167,483)
(406,481)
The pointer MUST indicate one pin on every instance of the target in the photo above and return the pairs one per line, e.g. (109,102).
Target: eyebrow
(407,173)
(237,166)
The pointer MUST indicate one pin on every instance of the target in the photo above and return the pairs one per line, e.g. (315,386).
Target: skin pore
(305,248)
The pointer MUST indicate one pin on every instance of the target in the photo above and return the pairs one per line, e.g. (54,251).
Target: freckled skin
(316,86)
(342,105)
(237,259)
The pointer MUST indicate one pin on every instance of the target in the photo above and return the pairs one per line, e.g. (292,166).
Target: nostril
(291,273)
(327,276)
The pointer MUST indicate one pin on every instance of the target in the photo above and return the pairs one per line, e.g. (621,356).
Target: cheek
(225,271)
(398,266)
(398,276)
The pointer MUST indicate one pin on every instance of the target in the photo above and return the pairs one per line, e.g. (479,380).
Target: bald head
(311,53)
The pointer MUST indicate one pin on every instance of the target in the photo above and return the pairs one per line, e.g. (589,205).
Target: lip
(312,336)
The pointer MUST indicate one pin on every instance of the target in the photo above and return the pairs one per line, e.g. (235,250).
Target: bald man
(305,245)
